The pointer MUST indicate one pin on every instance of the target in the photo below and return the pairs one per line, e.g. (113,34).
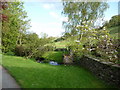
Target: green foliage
(10,53)
(59,39)
(114,32)
(20,50)
(15,37)
(61,44)
(54,55)
(14,27)
(36,46)
(81,19)
(79,12)
(114,21)
(95,40)
(30,74)
(32,46)
(50,47)
(43,35)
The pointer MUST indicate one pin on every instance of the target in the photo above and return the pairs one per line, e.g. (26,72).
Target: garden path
(6,80)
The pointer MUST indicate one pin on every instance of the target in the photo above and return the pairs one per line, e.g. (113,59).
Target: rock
(67,59)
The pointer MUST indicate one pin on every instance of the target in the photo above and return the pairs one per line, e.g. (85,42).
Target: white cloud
(55,15)
(61,0)
(36,0)
(48,6)
(52,28)
(64,19)
(107,18)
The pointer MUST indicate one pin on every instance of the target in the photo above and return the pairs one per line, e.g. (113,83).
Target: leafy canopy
(79,12)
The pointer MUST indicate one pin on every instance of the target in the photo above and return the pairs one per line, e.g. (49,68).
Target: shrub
(19,50)
(49,47)
(10,53)
(46,61)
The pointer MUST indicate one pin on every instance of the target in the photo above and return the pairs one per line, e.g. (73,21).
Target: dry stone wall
(105,71)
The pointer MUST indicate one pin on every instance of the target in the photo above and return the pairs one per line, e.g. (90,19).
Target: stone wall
(67,59)
(105,71)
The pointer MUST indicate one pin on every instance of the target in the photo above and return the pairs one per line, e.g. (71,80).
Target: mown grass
(54,55)
(114,29)
(114,32)
(30,74)
(115,36)
(61,44)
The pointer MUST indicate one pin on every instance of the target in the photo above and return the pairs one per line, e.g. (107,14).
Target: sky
(46,16)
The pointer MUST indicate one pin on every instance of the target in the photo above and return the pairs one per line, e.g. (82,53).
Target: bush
(61,49)
(59,39)
(50,47)
(10,53)
(46,61)
(19,50)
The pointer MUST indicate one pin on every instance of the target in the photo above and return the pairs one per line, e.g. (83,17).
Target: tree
(114,21)
(43,35)
(3,6)
(81,19)
(15,26)
(15,37)
(33,46)
(82,12)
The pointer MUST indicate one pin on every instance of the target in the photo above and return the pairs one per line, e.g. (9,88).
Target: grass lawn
(30,74)
(54,55)
(114,31)
(61,44)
